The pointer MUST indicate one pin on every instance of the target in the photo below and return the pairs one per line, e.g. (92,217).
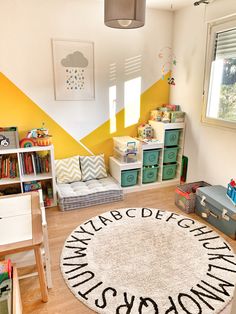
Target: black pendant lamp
(124,13)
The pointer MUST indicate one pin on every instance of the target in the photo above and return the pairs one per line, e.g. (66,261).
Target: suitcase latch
(203,201)
(224,214)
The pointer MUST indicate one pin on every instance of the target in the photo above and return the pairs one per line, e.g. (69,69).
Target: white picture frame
(73,63)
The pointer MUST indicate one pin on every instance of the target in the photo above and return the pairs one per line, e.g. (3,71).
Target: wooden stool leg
(42,280)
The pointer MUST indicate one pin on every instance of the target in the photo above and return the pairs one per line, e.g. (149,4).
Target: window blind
(225,44)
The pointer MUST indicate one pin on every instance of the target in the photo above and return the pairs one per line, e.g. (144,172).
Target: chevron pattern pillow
(93,167)
(68,170)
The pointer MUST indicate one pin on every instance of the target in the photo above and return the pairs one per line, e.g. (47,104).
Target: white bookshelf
(23,177)
(116,166)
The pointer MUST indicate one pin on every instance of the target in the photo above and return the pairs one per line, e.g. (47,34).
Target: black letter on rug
(104,219)
(78,275)
(78,251)
(221,285)
(92,224)
(172,216)
(185,225)
(221,257)
(200,229)
(104,304)
(79,266)
(159,214)
(84,231)
(207,239)
(202,296)
(84,295)
(128,305)
(115,214)
(210,266)
(127,212)
(216,248)
(172,308)
(144,302)
(149,212)
(181,295)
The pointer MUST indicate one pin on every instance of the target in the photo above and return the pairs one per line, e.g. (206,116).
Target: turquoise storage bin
(150,174)
(170,154)
(150,157)
(169,171)
(172,137)
(129,177)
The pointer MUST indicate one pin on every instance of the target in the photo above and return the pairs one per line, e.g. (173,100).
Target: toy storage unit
(172,135)
(29,169)
(214,206)
(157,165)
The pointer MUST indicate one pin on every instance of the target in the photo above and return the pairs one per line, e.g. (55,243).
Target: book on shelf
(8,167)
(34,163)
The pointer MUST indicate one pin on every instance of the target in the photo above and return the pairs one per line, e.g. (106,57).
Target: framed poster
(73,69)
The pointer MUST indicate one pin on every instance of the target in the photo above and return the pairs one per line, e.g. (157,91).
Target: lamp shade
(124,14)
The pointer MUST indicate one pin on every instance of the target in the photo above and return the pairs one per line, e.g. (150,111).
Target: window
(220,75)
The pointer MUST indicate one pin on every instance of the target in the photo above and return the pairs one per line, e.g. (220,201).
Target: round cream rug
(143,260)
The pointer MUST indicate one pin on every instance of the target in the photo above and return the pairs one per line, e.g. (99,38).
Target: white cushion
(68,170)
(93,167)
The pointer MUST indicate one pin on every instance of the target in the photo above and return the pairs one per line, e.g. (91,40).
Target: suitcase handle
(203,201)
(209,213)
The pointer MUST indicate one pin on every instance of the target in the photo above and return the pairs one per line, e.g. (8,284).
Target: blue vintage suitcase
(213,205)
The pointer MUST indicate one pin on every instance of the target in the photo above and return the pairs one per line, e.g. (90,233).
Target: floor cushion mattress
(83,194)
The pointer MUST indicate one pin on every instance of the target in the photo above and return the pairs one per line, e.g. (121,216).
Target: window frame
(213,28)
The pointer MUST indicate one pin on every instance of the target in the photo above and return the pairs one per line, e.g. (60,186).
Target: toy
(171,81)
(32,186)
(5,270)
(231,191)
(40,135)
(166,117)
(145,131)
(156,115)
(27,142)
(167,54)
(4,141)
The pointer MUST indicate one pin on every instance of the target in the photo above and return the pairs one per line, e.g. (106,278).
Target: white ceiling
(166,4)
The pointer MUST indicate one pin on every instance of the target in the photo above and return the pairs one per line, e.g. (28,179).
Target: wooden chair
(25,259)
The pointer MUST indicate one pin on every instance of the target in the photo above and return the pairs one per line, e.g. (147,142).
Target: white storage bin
(126,144)
(125,157)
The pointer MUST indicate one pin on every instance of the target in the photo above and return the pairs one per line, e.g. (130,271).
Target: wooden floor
(60,226)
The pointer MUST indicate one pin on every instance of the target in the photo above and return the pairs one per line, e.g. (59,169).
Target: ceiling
(166,4)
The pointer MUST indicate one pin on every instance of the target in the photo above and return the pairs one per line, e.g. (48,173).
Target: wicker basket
(185,195)
(43,141)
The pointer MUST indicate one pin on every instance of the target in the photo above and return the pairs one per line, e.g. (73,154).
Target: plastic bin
(129,177)
(172,137)
(169,171)
(150,157)
(150,174)
(125,157)
(185,195)
(170,154)
(125,144)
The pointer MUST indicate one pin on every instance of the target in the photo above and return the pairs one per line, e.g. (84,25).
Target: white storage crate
(125,157)
(126,144)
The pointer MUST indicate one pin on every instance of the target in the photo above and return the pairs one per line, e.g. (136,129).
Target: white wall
(211,150)
(26,30)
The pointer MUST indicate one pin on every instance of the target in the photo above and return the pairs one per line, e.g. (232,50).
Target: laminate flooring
(60,225)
